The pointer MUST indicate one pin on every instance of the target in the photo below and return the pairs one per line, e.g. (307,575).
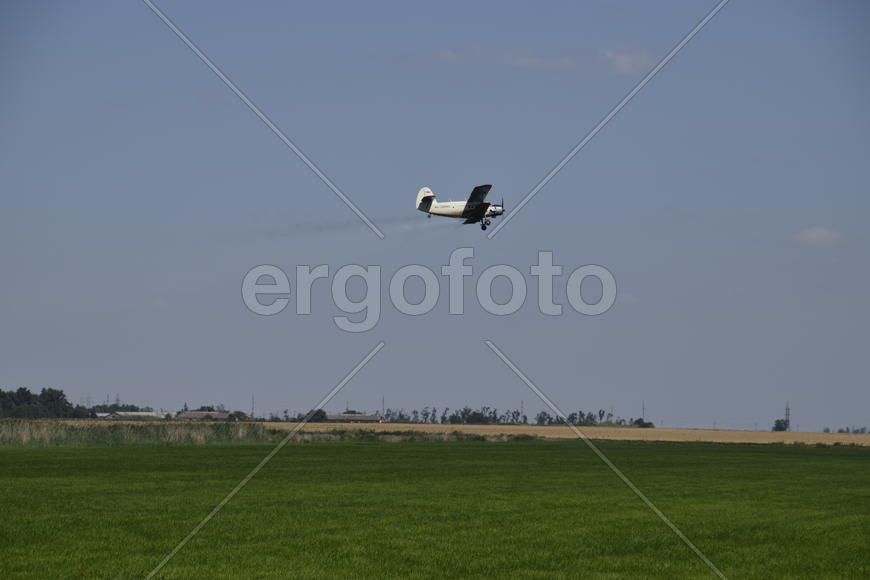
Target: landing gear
(429,215)
(483,227)
(485,222)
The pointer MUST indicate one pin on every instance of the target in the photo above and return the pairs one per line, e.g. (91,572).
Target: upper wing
(478,194)
(475,207)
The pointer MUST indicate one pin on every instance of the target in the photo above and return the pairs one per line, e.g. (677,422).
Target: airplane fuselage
(457,209)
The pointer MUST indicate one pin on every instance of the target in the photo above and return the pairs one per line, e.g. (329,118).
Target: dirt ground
(615,433)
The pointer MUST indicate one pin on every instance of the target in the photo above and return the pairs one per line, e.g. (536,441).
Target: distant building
(203,416)
(353,418)
(135,415)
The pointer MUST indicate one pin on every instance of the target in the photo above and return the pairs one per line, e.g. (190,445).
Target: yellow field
(615,433)
(550,432)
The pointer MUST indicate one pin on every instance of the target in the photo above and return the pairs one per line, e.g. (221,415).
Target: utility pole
(787,417)
(643,410)
(383,407)
(252,407)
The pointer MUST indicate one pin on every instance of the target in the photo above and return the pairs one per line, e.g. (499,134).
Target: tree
(477,417)
(54,403)
(780,425)
(318,416)
(23,396)
(544,418)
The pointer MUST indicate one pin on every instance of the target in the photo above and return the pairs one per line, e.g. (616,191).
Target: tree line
(22,403)
(483,416)
(853,429)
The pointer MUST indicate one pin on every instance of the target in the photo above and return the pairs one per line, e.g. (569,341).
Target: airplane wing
(475,207)
(475,213)
(478,194)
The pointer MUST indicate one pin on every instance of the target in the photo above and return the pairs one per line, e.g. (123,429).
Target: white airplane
(474,210)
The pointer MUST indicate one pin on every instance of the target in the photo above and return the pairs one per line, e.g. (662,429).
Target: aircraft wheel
(483,226)
(487,222)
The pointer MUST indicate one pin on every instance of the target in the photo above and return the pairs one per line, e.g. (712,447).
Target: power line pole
(787,417)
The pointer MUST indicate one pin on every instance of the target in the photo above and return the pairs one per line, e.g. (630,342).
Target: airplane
(474,210)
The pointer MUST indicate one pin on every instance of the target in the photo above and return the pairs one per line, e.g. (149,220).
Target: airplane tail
(425,197)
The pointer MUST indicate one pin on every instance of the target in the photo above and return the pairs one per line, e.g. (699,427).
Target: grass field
(527,509)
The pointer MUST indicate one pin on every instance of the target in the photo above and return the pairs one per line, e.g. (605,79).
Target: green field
(527,509)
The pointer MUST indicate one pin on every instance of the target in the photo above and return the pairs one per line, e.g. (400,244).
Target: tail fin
(425,197)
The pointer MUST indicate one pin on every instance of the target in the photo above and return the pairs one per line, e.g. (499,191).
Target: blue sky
(729,199)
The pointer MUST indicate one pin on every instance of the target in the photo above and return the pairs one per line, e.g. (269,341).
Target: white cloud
(454,56)
(616,60)
(529,59)
(626,62)
(818,236)
(517,58)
